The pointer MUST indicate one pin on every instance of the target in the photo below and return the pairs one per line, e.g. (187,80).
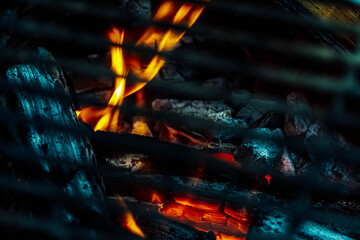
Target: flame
(131,225)
(227,237)
(128,221)
(197,204)
(155,198)
(165,41)
(108,118)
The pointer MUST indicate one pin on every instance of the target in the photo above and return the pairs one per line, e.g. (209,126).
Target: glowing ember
(226,223)
(268,178)
(220,236)
(228,157)
(165,40)
(155,198)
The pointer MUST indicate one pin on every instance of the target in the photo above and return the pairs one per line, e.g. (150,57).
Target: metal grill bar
(225,6)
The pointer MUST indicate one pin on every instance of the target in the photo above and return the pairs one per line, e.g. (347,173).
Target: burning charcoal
(186,137)
(254,110)
(140,127)
(207,215)
(296,125)
(134,162)
(214,111)
(156,227)
(203,109)
(261,148)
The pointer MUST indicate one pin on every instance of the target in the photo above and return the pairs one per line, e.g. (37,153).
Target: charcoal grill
(269,47)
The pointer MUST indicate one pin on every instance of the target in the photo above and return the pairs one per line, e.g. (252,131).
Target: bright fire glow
(227,157)
(128,220)
(268,178)
(226,223)
(165,40)
(155,198)
(107,119)
(131,225)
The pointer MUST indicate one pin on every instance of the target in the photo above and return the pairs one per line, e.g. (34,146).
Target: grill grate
(342,88)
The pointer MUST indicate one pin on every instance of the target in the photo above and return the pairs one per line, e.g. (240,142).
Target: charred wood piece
(274,223)
(261,152)
(63,152)
(215,111)
(296,125)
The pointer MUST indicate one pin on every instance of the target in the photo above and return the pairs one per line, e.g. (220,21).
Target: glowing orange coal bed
(225,222)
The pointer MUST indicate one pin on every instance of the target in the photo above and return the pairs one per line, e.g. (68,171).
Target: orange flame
(165,41)
(128,221)
(155,198)
(107,119)
(131,225)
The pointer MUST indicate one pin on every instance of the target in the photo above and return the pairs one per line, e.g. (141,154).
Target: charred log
(66,158)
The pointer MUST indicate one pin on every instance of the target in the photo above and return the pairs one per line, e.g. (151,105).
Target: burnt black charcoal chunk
(269,224)
(270,120)
(164,229)
(261,148)
(296,125)
(140,8)
(254,110)
(277,224)
(336,163)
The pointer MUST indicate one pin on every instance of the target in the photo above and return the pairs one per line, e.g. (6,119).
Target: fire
(268,178)
(128,220)
(131,225)
(155,198)
(225,222)
(164,40)
(227,157)
(107,119)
